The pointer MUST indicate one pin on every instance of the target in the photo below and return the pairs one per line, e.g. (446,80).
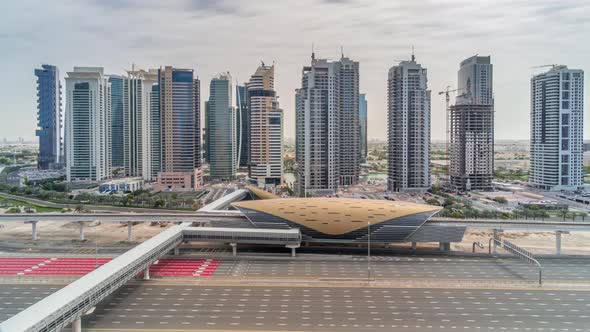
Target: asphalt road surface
(409,267)
(163,307)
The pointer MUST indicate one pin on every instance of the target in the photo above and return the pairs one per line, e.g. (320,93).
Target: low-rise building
(124,185)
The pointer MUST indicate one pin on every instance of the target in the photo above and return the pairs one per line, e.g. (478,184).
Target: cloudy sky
(212,36)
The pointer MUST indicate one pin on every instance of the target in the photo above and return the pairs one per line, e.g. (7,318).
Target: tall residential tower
(49,118)
(408,127)
(471,125)
(557,117)
(180,122)
(87,125)
(327,126)
(266,129)
(137,91)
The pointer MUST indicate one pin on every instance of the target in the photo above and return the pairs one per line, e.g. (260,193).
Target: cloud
(214,36)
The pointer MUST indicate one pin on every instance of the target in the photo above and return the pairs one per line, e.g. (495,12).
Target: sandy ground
(60,233)
(536,242)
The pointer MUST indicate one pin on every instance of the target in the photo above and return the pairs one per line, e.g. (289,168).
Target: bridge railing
(519,252)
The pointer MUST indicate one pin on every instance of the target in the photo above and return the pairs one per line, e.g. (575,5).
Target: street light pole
(368,250)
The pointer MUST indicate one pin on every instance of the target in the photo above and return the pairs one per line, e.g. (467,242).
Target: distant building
(363,126)
(124,185)
(243,125)
(179,98)
(117,105)
(471,125)
(327,126)
(557,126)
(266,129)
(87,125)
(49,119)
(408,127)
(221,129)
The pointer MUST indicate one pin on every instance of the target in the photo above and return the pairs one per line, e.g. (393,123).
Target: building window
(565,144)
(565,119)
(565,105)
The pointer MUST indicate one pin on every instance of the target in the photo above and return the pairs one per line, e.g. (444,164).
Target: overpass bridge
(225,218)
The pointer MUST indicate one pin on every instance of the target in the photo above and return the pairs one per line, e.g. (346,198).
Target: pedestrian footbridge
(69,304)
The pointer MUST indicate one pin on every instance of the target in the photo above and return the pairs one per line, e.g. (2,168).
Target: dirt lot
(537,242)
(59,233)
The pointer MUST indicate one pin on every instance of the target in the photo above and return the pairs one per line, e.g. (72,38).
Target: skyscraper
(471,125)
(349,139)
(49,120)
(221,129)
(87,127)
(363,126)
(152,147)
(179,96)
(117,105)
(327,126)
(408,127)
(266,129)
(243,125)
(137,91)
(557,116)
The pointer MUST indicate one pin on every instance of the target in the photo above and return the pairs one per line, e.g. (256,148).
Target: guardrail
(519,252)
(71,302)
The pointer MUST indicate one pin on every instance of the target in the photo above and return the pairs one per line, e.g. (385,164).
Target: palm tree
(563,213)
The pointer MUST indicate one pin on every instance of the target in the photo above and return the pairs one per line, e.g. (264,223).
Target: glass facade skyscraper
(221,129)
(363,126)
(117,154)
(49,120)
(243,125)
(179,97)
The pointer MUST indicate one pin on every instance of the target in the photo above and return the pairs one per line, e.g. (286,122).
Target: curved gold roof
(335,216)
(262,194)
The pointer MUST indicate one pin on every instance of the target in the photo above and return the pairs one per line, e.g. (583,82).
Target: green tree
(433,201)
(500,200)
(458,215)
(563,214)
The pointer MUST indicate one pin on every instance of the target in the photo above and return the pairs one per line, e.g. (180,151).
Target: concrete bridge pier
(413,246)
(558,242)
(129,225)
(234,249)
(445,246)
(81,223)
(293,249)
(146,273)
(33,228)
(77,325)
(176,251)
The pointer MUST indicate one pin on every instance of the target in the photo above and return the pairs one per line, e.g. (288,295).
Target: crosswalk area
(71,266)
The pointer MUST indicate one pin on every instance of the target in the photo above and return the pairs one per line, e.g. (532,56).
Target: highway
(160,307)
(387,267)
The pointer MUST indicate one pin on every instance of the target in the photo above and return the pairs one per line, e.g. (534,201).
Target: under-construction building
(471,126)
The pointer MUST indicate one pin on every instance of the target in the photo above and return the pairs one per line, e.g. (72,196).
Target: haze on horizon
(215,36)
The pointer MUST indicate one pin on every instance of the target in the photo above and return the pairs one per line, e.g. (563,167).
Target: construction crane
(447,92)
(544,66)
